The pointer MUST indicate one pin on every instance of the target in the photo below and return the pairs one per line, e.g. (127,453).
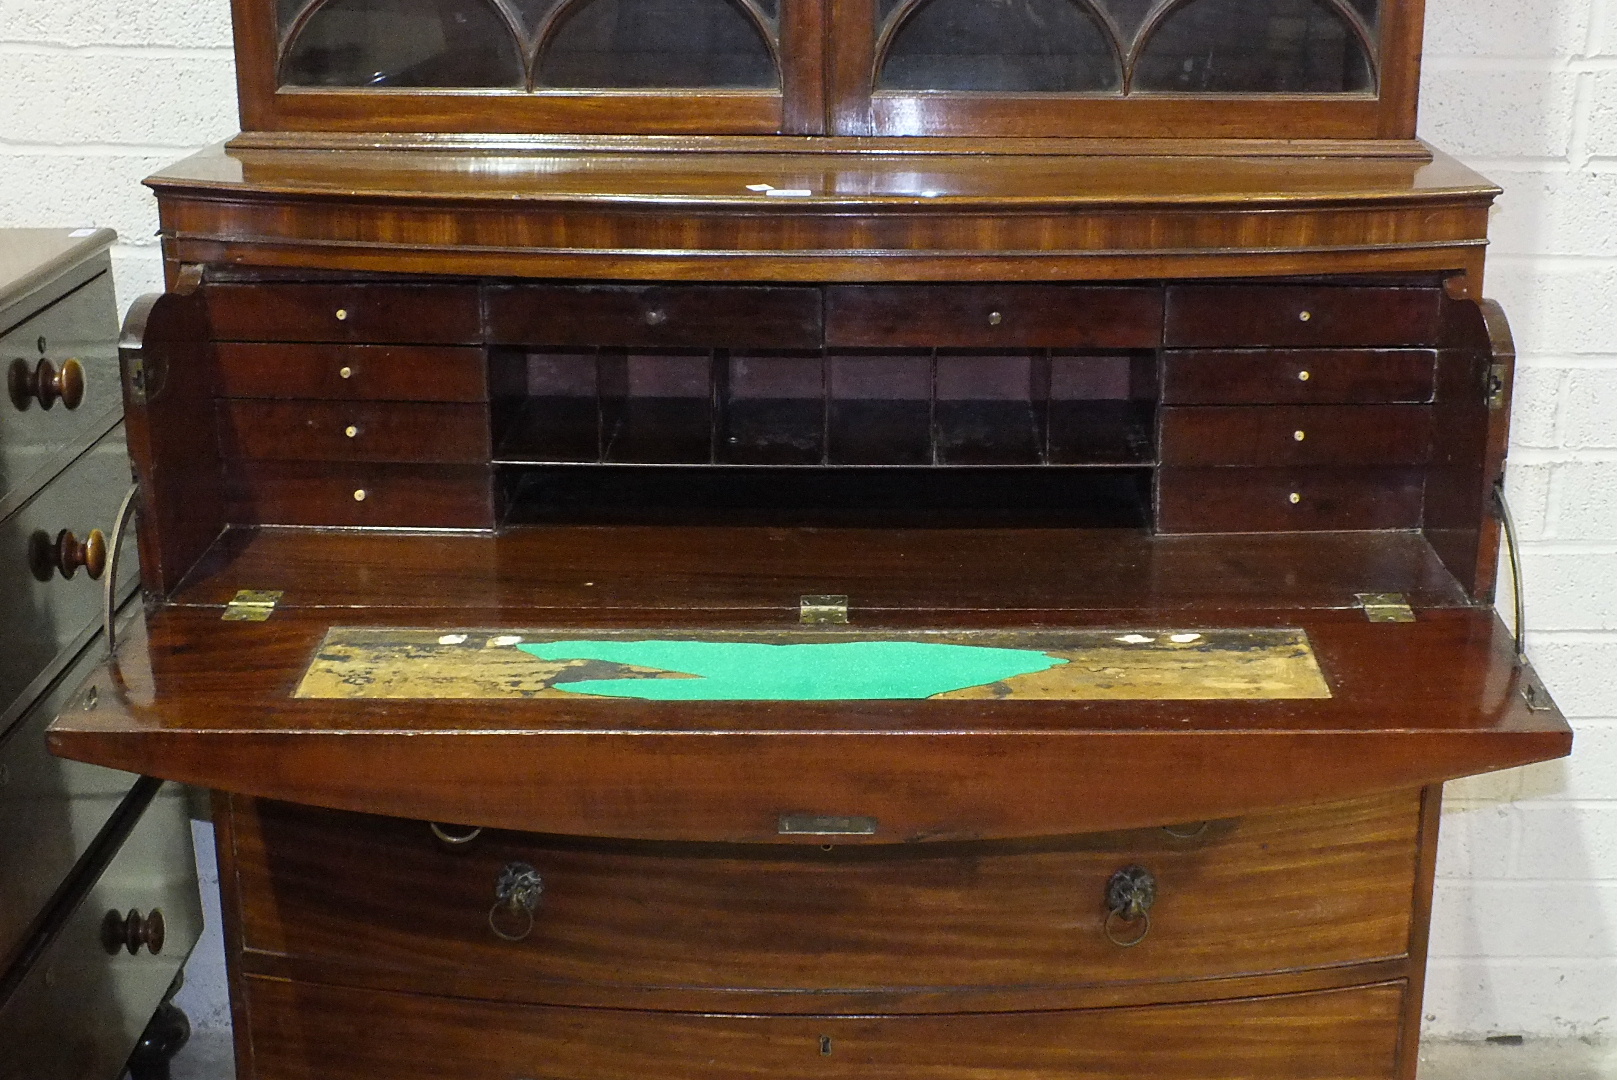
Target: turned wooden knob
(45,384)
(133,930)
(66,553)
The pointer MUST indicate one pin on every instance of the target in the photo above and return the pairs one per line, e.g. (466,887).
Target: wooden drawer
(1288,500)
(767,928)
(353,372)
(397,496)
(649,316)
(43,614)
(1296,435)
(1304,316)
(50,809)
(78,1010)
(993,316)
(354,431)
(1297,376)
(81,327)
(305,1031)
(404,314)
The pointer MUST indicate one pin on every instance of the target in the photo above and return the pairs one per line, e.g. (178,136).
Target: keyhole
(825,1046)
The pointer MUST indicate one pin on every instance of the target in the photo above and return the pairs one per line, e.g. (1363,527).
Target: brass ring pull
(450,838)
(1188,834)
(1129,895)
(516,896)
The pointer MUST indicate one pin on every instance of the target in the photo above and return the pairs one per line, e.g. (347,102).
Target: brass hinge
(252,605)
(823,609)
(1496,386)
(1386,607)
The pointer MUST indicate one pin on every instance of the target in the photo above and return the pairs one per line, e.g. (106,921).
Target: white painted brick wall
(95,94)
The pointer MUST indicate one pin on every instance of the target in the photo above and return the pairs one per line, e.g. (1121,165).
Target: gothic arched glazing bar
(1168,10)
(905,12)
(554,24)
(489,55)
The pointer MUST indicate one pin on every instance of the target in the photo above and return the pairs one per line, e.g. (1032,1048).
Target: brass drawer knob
(45,384)
(66,553)
(656,317)
(131,931)
(1130,893)
(995,318)
(516,897)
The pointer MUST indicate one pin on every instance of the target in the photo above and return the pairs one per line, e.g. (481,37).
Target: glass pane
(530,13)
(1128,14)
(286,12)
(657,43)
(404,43)
(1253,47)
(1000,45)
(1369,11)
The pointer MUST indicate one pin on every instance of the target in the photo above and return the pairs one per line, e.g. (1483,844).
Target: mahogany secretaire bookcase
(821,539)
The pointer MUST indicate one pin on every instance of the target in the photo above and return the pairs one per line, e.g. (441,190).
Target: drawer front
(387,314)
(1288,500)
(43,612)
(341,494)
(1302,889)
(353,372)
(1298,376)
(356,431)
(1296,435)
(632,316)
(1302,316)
(50,808)
(1010,316)
(305,1031)
(82,327)
(80,1009)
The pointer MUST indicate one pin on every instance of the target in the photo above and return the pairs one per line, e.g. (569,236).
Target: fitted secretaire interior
(920,539)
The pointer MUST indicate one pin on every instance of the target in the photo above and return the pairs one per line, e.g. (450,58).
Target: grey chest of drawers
(98,894)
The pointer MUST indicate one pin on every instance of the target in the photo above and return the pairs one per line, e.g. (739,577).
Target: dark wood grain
(642,316)
(329,493)
(209,702)
(886,572)
(632,213)
(169,372)
(305,1031)
(771,929)
(402,314)
(390,431)
(373,372)
(1275,376)
(1420,929)
(1288,499)
(993,316)
(1334,435)
(1301,316)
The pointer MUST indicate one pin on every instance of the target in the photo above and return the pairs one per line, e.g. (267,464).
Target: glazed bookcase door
(520,66)
(1336,69)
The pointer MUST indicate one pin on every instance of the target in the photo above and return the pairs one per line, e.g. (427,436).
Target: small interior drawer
(353,372)
(302,1030)
(760,926)
(1296,435)
(344,494)
(989,316)
(1302,316)
(651,316)
(354,431)
(388,314)
(1288,499)
(1297,376)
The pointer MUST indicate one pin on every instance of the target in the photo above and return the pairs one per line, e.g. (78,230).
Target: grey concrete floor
(208,1057)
